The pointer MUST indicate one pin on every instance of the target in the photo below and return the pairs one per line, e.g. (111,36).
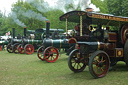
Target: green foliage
(72,6)
(31,23)
(3,26)
(115,7)
(102,5)
(53,17)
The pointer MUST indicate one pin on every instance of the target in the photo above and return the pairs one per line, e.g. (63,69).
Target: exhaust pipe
(13,32)
(47,28)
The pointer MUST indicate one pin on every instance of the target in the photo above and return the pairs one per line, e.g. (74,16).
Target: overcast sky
(5,5)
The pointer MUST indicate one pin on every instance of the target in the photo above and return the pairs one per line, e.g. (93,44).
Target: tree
(3,28)
(69,7)
(53,17)
(101,4)
(115,7)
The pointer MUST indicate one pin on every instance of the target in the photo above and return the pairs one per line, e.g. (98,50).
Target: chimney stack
(47,28)
(89,10)
(25,29)
(13,31)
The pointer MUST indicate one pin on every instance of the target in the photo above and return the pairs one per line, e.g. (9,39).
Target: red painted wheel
(40,53)
(14,48)
(20,49)
(29,49)
(0,47)
(99,64)
(51,54)
(124,32)
(9,48)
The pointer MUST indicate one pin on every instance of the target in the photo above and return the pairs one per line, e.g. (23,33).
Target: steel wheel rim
(124,31)
(9,48)
(20,49)
(51,54)
(100,65)
(40,53)
(15,48)
(29,49)
(77,62)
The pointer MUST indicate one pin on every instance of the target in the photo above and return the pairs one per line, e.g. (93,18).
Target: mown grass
(21,69)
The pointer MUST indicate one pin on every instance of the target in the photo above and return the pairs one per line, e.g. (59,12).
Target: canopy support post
(81,26)
(66,26)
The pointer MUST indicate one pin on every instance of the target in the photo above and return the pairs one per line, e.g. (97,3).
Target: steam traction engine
(51,45)
(30,42)
(29,45)
(13,43)
(102,48)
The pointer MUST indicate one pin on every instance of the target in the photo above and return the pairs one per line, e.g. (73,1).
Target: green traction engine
(50,48)
(32,43)
(13,43)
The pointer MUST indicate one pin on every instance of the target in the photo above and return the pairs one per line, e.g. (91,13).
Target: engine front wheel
(99,64)
(29,49)
(51,54)
(9,48)
(76,62)
(40,52)
(20,49)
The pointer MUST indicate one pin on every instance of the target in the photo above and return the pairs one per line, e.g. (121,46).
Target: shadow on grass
(120,67)
(82,75)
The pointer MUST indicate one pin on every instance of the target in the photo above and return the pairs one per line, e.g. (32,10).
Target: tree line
(33,13)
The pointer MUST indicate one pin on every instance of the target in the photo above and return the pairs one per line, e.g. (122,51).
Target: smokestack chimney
(13,31)
(25,29)
(47,28)
(89,10)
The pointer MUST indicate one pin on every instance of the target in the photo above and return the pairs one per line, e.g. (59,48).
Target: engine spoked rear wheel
(9,48)
(126,53)
(99,64)
(51,54)
(76,62)
(20,49)
(29,49)
(40,52)
(124,32)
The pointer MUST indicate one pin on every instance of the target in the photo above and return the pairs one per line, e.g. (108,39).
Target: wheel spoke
(79,65)
(74,65)
(102,69)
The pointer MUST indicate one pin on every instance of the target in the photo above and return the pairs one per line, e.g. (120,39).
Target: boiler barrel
(32,41)
(58,43)
(87,47)
(16,41)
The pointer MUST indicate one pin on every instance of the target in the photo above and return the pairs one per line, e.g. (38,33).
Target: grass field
(21,69)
